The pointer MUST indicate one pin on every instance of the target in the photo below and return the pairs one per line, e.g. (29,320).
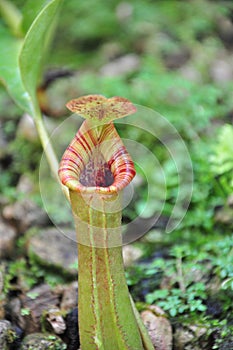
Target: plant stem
(103,292)
(47,147)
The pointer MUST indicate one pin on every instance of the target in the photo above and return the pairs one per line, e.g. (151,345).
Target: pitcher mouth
(96,161)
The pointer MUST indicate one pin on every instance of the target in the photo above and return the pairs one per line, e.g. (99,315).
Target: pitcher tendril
(96,167)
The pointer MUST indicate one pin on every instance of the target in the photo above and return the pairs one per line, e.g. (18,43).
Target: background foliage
(180,65)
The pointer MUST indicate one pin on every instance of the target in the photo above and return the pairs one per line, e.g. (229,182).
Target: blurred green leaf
(20,61)
(222,159)
(31,55)
(11,16)
(30,11)
(9,69)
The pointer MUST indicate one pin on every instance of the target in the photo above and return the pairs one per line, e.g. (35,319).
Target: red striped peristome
(99,146)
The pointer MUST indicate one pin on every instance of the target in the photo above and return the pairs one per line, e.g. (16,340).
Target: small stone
(7,240)
(3,199)
(70,297)
(13,310)
(111,50)
(50,247)
(124,11)
(27,128)
(157,310)
(24,214)
(182,337)
(189,337)
(25,185)
(230,201)
(222,71)
(36,303)
(159,328)
(176,59)
(55,319)
(225,28)
(224,215)
(131,254)
(39,341)
(199,331)
(213,284)
(5,328)
(124,65)
(154,236)
(189,72)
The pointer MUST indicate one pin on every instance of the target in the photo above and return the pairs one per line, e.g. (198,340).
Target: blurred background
(175,57)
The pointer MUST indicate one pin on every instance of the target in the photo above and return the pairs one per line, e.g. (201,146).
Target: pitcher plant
(95,168)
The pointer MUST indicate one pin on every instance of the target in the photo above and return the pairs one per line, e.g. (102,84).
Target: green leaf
(173,312)
(30,10)
(32,52)
(222,159)
(32,295)
(20,61)
(11,16)
(25,311)
(9,69)
(156,295)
